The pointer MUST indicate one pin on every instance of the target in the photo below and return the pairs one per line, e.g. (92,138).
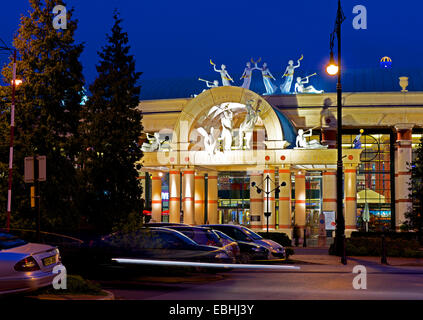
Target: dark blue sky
(176,39)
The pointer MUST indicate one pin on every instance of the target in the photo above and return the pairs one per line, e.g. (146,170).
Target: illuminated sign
(386,63)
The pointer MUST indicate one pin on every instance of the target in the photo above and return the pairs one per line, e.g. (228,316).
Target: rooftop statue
(302,143)
(267,75)
(155,144)
(210,141)
(226,78)
(289,74)
(227,123)
(246,128)
(247,74)
(357,140)
(299,86)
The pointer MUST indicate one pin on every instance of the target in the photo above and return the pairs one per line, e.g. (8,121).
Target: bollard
(383,259)
(305,239)
(344,251)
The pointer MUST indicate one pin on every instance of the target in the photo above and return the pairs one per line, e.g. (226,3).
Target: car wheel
(245,259)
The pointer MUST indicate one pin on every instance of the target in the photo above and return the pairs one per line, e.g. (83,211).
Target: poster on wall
(329,220)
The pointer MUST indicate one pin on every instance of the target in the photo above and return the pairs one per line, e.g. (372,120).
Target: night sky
(176,39)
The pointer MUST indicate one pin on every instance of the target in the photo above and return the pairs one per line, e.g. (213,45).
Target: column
(350,201)
(300,202)
(212,197)
(174,196)
(141,180)
(329,191)
(199,198)
(156,196)
(256,202)
(285,201)
(403,157)
(269,200)
(188,200)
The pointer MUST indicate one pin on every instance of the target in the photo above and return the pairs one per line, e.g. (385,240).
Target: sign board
(330,221)
(29,169)
(42,168)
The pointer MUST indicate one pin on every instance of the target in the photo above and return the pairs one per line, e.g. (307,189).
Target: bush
(77,285)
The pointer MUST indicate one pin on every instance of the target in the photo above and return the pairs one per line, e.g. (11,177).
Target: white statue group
(268,78)
(245,132)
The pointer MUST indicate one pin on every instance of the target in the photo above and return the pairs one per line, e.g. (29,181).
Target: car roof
(200,228)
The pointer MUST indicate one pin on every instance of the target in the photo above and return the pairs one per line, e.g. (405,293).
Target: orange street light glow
(332,69)
(17,82)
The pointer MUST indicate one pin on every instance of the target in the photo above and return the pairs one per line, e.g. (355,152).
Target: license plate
(50,260)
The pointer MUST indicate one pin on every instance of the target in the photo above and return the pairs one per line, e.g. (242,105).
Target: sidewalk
(320,256)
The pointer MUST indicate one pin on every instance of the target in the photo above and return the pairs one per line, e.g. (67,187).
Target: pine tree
(414,218)
(111,129)
(47,116)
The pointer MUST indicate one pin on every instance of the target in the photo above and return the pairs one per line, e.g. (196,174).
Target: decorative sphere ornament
(386,63)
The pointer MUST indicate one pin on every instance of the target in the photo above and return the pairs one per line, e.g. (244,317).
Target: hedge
(372,246)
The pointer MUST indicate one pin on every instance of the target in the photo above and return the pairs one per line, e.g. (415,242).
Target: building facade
(202,163)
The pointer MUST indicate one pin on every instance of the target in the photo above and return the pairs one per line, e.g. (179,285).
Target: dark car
(249,250)
(230,244)
(245,235)
(164,224)
(152,243)
(204,236)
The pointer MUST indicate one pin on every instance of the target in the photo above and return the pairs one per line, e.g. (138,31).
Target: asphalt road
(312,282)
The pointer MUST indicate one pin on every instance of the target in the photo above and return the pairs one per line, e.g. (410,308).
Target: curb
(109,296)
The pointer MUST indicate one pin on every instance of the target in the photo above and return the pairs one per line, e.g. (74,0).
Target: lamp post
(268,213)
(12,133)
(332,70)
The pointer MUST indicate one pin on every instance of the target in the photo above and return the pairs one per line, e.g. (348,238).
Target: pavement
(320,256)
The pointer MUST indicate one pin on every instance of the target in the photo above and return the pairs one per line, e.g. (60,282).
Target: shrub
(78,285)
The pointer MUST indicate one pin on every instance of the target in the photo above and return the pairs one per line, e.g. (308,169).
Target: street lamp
(268,213)
(333,69)
(3,47)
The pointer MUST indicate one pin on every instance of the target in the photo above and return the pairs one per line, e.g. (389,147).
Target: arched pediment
(226,94)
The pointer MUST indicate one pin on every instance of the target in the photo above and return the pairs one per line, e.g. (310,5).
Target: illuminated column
(300,202)
(174,196)
(350,201)
(156,197)
(285,201)
(141,180)
(199,198)
(256,202)
(212,197)
(188,200)
(403,203)
(329,191)
(269,204)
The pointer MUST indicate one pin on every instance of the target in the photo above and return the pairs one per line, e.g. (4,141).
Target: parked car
(164,224)
(245,235)
(155,243)
(230,243)
(25,266)
(205,236)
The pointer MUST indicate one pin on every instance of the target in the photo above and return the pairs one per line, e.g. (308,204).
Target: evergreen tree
(414,218)
(47,116)
(111,129)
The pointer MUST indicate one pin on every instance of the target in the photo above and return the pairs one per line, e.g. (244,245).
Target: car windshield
(205,237)
(8,241)
(251,234)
